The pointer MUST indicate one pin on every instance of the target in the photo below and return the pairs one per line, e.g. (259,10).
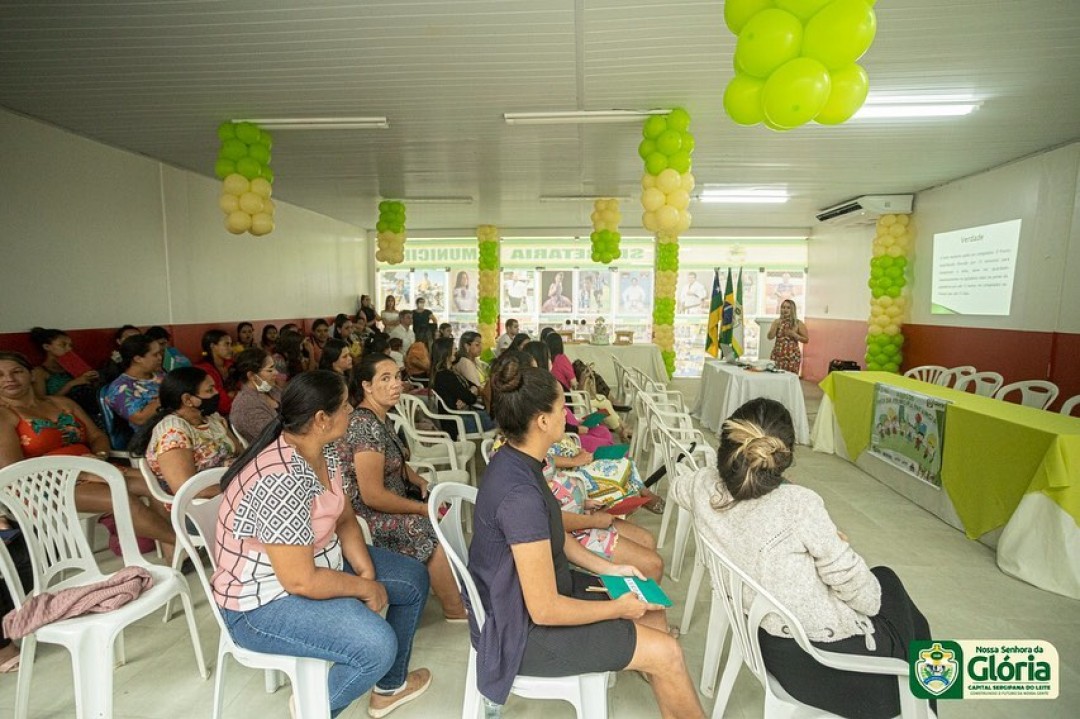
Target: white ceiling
(156,77)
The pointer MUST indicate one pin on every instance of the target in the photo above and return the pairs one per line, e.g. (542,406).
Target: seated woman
(51,378)
(313,345)
(587,383)
(133,396)
(186,435)
(616,540)
(269,339)
(15,544)
(245,337)
(344,330)
(383,489)
(217,350)
(418,357)
(293,574)
(336,358)
(467,361)
(256,403)
(289,359)
(561,366)
(456,391)
(114,366)
(32,426)
(781,535)
(541,621)
(591,437)
(171,357)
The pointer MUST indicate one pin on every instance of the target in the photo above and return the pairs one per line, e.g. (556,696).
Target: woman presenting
(788,332)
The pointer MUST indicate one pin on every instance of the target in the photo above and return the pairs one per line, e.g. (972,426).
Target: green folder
(614,451)
(593,419)
(645,589)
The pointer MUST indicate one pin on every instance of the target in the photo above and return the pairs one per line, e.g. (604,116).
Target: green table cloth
(994,452)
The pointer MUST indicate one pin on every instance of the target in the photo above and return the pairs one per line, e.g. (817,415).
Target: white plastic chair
(1036,393)
(747,604)
(1069,405)
(40,495)
(479,434)
(958,374)
(579,403)
(985,384)
(932,373)
(435,446)
(239,437)
(307,676)
(586,692)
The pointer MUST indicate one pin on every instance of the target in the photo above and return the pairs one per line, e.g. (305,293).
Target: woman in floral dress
(788,332)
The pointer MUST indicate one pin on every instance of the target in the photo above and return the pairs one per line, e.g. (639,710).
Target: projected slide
(973,270)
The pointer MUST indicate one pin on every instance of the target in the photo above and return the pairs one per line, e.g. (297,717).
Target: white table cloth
(726,387)
(646,357)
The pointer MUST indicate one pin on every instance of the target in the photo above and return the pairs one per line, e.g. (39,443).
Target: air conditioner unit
(865,210)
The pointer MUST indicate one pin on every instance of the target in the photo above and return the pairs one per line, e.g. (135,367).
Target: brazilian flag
(712,340)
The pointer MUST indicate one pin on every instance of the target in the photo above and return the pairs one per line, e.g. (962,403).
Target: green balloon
(645,148)
(654,126)
(267,139)
(876,272)
(885,262)
(226,131)
(678,119)
(249,167)
(680,161)
(891,367)
(224,167)
(595,256)
(669,142)
(260,152)
(268,174)
(656,163)
(873,367)
(247,132)
(894,272)
(688,143)
(893,291)
(233,149)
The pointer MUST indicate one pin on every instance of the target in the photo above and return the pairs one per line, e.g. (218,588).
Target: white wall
(839,266)
(1042,192)
(92,236)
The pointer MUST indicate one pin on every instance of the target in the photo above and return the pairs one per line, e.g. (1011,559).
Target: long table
(1005,467)
(646,357)
(726,387)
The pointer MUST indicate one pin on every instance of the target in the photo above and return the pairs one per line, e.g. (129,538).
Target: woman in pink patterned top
(293,574)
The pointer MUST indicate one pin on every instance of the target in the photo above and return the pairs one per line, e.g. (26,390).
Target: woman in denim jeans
(294,576)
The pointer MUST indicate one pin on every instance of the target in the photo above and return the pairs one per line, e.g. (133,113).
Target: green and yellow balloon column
(390,232)
(243,165)
(665,199)
(487,238)
(605,235)
(795,60)
(889,301)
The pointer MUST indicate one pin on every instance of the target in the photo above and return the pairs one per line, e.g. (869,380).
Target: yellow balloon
(849,87)
(652,199)
(878,250)
(742,99)
(229,203)
(679,199)
(667,217)
(904,220)
(892,330)
(886,220)
(668,180)
(236,185)
(380,256)
(874,330)
(687,182)
(886,301)
(238,222)
(649,222)
(684,221)
(893,251)
(897,229)
(251,203)
(893,311)
(648,181)
(262,224)
(269,207)
(261,187)
(888,241)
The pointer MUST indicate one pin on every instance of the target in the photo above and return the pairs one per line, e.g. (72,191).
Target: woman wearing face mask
(256,403)
(186,434)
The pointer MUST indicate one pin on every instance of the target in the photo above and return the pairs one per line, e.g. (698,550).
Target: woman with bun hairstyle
(781,535)
(51,378)
(542,620)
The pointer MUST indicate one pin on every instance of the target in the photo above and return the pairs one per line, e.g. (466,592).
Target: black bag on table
(839,365)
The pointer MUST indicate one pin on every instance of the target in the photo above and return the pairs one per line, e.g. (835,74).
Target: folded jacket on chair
(104,596)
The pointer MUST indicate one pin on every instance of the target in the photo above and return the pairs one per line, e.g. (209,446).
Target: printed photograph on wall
(594,292)
(693,293)
(431,285)
(635,293)
(558,292)
(397,283)
(780,286)
(463,297)
(519,291)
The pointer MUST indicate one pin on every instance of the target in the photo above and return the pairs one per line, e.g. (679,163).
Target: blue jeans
(486,422)
(365,649)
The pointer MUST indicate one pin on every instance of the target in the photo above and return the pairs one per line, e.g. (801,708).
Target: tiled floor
(955,582)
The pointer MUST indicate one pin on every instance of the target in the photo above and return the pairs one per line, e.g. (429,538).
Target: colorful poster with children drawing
(908,431)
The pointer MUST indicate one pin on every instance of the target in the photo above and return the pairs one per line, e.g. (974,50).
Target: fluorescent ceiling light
(572,117)
(464,200)
(914,106)
(744,195)
(321,123)
(582,198)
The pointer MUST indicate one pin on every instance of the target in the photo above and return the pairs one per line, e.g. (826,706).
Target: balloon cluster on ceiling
(889,302)
(665,197)
(605,235)
(390,232)
(243,165)
(795,60)
(487,239)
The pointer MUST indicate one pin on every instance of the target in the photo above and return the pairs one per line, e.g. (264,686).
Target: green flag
(712,339)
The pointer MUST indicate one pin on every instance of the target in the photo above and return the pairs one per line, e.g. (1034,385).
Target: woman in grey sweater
(782,536)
